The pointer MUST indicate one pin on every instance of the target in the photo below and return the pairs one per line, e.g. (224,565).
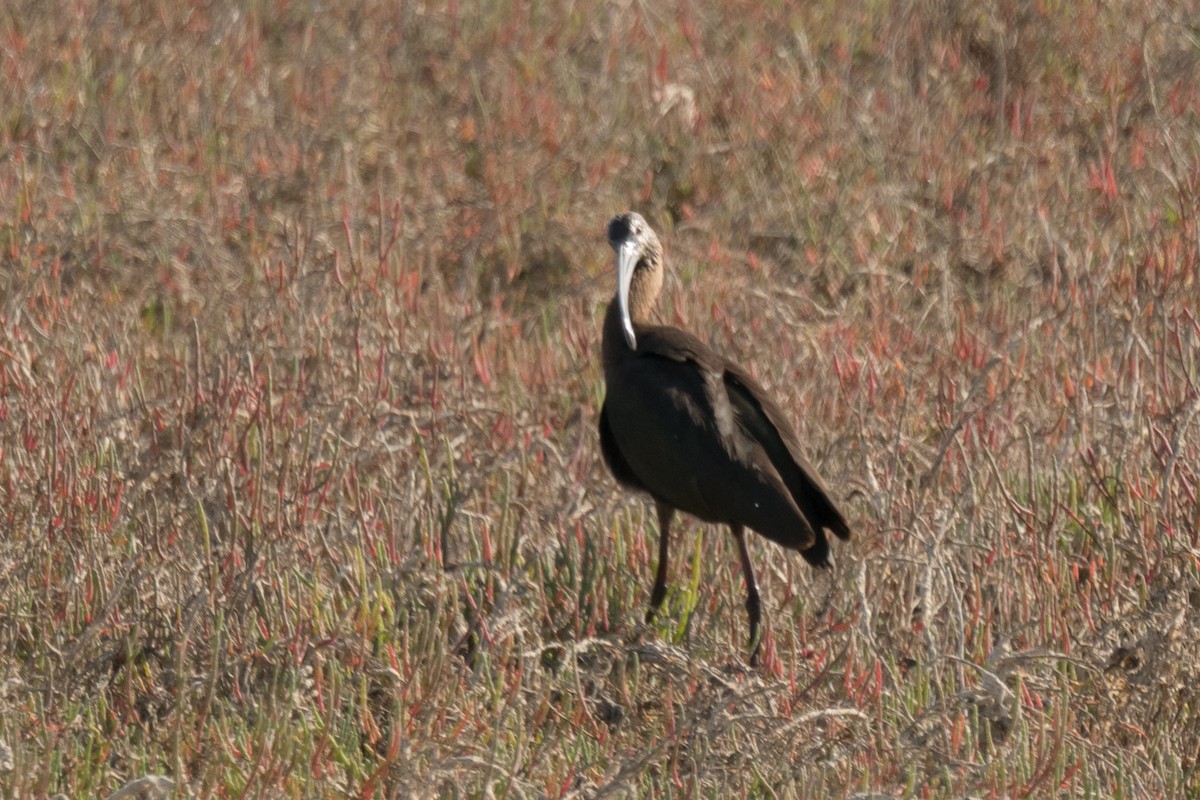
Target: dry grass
(299,330)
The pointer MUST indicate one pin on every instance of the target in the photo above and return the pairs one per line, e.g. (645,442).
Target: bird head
(638,250)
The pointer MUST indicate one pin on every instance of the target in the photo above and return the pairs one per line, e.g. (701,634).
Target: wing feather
(763,427)
(765,422)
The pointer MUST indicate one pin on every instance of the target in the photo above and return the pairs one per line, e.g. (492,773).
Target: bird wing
(763,420)
(693,444)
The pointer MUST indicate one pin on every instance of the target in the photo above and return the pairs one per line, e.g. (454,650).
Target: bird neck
(643,295)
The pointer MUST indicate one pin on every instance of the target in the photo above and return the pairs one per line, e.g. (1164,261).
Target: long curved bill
(627,259)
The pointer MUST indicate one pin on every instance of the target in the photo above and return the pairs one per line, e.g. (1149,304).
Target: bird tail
(818,554)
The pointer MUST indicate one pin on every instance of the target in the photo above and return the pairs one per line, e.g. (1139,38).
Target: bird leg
(753,605)
(665,515)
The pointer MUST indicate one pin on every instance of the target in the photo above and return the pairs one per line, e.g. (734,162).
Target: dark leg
(753,606)
(665,515)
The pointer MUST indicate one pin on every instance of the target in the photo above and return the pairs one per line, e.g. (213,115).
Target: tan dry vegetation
(299,330)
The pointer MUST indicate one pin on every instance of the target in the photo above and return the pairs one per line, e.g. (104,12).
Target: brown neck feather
(643,293)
